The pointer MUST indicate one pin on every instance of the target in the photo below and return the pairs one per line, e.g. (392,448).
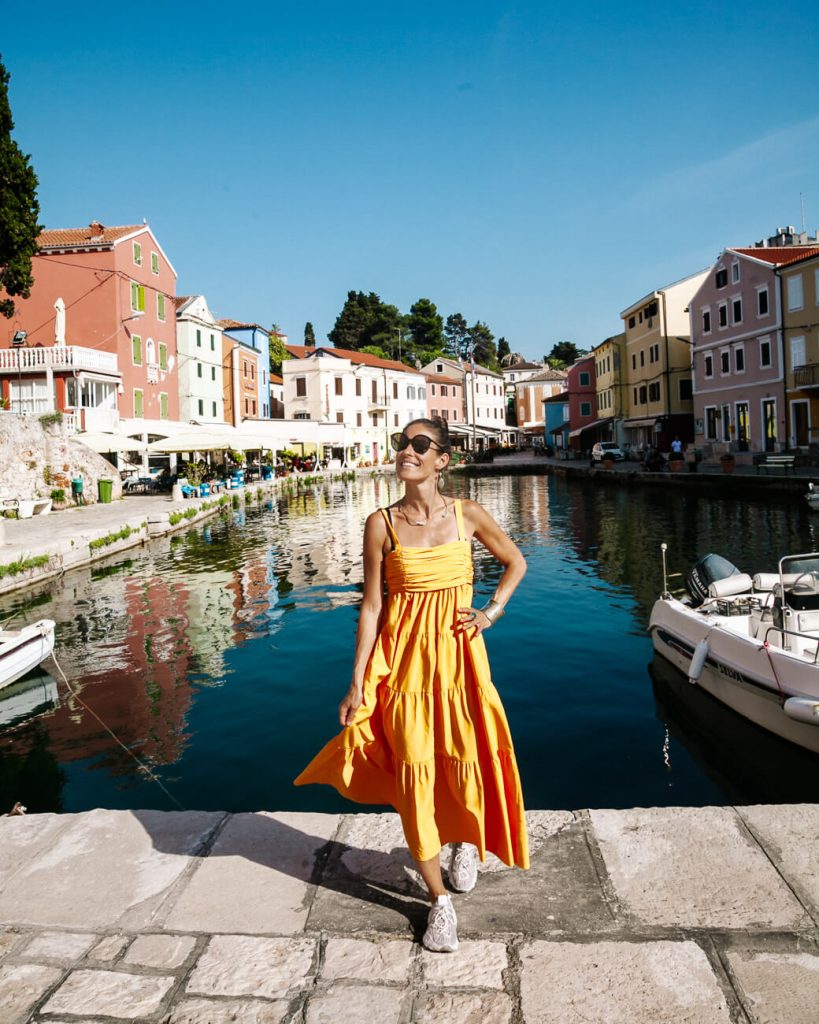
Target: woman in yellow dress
(424,727)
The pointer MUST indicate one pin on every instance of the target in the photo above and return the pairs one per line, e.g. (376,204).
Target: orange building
(97,337)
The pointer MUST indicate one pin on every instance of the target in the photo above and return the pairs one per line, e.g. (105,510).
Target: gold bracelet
(493,611)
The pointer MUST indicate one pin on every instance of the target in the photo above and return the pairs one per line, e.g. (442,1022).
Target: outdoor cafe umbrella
(207,441)
(104,444)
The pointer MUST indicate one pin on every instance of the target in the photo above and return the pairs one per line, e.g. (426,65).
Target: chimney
(96,228)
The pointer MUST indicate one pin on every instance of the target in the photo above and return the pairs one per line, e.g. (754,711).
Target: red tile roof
(238,325)
(780,255)
(180,300)
(439,378)
(276,379)
(80,238)
(362,358)
(300,351)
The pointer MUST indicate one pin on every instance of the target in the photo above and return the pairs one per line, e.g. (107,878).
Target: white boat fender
(698,661)
(802,709)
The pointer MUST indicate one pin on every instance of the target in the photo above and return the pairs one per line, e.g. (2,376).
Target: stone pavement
(707,916)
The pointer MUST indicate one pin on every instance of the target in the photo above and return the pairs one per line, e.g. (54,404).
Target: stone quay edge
(705,915)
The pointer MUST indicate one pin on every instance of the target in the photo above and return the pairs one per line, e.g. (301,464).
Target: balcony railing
(57,357)
(806,376)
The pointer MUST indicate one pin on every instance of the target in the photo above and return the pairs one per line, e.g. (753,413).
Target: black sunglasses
(420,443)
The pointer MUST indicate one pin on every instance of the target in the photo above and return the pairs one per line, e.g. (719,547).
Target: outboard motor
(706,571)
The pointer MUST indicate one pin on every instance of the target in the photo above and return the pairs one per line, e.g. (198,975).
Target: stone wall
(36,459)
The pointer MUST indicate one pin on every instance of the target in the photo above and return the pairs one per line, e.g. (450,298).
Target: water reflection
(218,656)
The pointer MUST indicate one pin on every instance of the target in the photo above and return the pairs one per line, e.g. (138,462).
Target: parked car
(609,447)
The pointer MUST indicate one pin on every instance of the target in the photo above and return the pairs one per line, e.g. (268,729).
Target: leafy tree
(386,329)
(456,333)
(19,210)
(503,349)
(425,330)
(374,350)
(563,354)
(309,335)
(353,326)
(278,350)
(482,342)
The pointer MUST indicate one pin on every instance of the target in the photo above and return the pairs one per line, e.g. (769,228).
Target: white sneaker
(463,868)
(441,935)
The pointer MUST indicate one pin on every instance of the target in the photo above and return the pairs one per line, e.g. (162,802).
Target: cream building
(373,398)
(484,393)
(199,349)
(530,394)
(610,381)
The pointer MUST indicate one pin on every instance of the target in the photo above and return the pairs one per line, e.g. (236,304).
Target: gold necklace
(425,522)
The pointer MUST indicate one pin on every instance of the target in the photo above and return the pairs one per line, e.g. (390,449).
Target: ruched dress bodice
(431,736)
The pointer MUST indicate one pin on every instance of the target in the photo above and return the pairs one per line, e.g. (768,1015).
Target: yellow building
(609,357)
(799,293)
(659,394)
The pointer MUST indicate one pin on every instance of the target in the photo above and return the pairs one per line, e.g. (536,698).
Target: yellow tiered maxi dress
(431,737)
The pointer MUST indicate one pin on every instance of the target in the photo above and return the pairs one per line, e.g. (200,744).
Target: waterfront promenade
(707,916)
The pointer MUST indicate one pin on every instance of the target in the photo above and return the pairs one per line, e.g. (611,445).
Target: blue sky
(537,166)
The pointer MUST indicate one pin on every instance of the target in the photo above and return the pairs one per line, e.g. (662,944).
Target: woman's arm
(480,524)
(375,534)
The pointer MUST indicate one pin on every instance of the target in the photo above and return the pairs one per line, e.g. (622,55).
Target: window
(764,351)
(301,387)
(137,297)
(137,254)
(796,299)
(138,409)
(339,387)
(150,352)
(395,418)
(686,389)
(722,277)
(736,310)
(136,349)
(654,392)
(797,352)
(454,416)
(213,373)
(394,389)
(585,378)
(375,419)
(213,407)
(434,412)
(163,356)
(439,368)
(444,391)
(725,361)
(631,321)
(762,302)
(735,273)
(374,390)
(711,422)
(212,343)
(585,408)
(160,306)
(247,406)
(301,415)
(432,390)
(739,359)
(633,361)
(163,405)
(635,396)
(201,404)
(358,419)
(198,338)
(722,315)
(339,417)
(410,393)
(244,370)
(643,392)
(154,262)
(358,388)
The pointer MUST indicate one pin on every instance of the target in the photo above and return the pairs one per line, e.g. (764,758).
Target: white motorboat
(23,649)
(751,642)
(812,498)
(27,698)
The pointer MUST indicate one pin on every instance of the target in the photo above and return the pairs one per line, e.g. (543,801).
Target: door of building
(743,425)
(769,424)
(800,424)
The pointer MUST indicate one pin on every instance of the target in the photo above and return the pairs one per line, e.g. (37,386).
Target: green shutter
(163,356)
(154,263)
(136,347)
(198,338)
(137,404)
(163,406)
(137,254)
(160,306)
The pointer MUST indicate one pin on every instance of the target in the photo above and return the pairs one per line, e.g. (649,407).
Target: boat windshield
(796,565)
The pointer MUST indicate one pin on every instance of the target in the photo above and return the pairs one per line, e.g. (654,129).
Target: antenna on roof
(802,205)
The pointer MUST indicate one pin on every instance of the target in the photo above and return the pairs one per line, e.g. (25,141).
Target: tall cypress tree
(19,209)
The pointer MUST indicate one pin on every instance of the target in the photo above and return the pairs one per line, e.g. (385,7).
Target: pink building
(97,337)
(445,397)
(580,389)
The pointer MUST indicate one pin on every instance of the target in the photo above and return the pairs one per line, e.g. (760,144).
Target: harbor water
(218,656)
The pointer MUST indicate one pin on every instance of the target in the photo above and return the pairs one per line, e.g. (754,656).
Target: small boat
(812,498)
(23,649)
(751,642)
(34,695)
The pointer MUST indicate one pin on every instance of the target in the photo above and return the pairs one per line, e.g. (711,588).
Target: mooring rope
(143,767)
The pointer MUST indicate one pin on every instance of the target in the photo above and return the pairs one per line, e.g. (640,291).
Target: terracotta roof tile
(439,378)
(76,238)
(180,300)
(300,351)
(365,359)
(780,255)
(238,325)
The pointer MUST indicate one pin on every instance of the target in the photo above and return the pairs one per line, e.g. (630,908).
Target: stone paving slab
(693,868)
(680,915)
(257,875)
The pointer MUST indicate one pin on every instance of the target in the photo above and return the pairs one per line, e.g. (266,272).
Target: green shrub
(15,568)
(58,495)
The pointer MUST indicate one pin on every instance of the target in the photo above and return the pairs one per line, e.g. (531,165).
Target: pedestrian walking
(424,727)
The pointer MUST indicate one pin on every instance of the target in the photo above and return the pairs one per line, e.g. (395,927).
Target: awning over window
(648,421)
(591,426)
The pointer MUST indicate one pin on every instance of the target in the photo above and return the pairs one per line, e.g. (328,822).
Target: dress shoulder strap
(459,519)
(396,543)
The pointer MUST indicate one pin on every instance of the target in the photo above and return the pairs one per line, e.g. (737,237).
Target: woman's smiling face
(409,465)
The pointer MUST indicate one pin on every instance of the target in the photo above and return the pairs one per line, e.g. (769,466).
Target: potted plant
(727,462)
(676,462)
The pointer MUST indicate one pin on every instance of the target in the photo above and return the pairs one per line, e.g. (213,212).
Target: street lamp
(18,341)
